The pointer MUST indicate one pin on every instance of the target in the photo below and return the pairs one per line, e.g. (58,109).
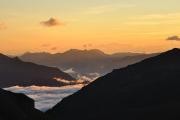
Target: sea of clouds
(90,77)
(46,97)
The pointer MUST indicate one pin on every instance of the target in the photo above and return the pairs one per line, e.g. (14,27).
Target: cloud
(52,22)
(83,77)
(54,48)
(70,71)
(87,46)
(175,38)
(46,97)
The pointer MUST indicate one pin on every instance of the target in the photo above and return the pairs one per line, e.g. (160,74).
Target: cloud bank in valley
(46,97)
(90,77)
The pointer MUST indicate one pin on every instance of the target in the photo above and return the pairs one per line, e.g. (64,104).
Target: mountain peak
(73,51)
(16,59)
(171,54)
(88,52)
(4,57)
(174,50)
(171,58)
(85,50)
(96,51)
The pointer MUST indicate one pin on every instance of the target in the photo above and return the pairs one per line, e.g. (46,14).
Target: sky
(109,25)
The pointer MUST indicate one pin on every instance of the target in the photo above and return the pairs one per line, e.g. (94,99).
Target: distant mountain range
(14,72)
(86,61)
(18,107)
(148,90)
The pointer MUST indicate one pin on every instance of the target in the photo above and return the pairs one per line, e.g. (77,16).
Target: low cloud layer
(52,22)
(83,77)
(46,97)
(175,38)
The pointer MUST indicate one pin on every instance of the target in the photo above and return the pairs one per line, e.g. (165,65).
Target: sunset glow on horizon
(109,25)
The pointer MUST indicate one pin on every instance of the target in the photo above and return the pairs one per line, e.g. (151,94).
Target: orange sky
(109,25)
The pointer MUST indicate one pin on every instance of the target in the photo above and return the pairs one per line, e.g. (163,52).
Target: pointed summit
(85,52)
(175,51)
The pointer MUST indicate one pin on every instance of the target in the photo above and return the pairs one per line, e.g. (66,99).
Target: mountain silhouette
(86,61)
(14,72)
(148,90)
(17,107)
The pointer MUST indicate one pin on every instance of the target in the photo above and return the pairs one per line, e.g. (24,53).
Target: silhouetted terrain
(86,61)
(14,72)
(17,107)
(148,90)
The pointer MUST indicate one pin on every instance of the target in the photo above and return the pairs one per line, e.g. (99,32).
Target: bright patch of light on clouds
(46,97)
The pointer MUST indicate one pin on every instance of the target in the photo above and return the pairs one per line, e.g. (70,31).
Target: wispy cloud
(54,48)
(106,8)
(52,22)
(159,16)
(46,97)
(174,38)
(154,19)
(100,9)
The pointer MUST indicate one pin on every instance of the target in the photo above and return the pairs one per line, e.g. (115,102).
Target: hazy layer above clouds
(46,97)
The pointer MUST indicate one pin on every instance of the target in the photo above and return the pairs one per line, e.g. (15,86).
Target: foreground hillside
(148,90)
(14,72)
(17,107)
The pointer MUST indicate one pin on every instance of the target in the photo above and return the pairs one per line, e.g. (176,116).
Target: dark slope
(17,107)
(149,90)
(16,72)
(86,61)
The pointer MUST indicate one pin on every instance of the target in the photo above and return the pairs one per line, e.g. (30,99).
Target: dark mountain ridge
(14,72)
(86,61)
(148,90)
(17,107)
